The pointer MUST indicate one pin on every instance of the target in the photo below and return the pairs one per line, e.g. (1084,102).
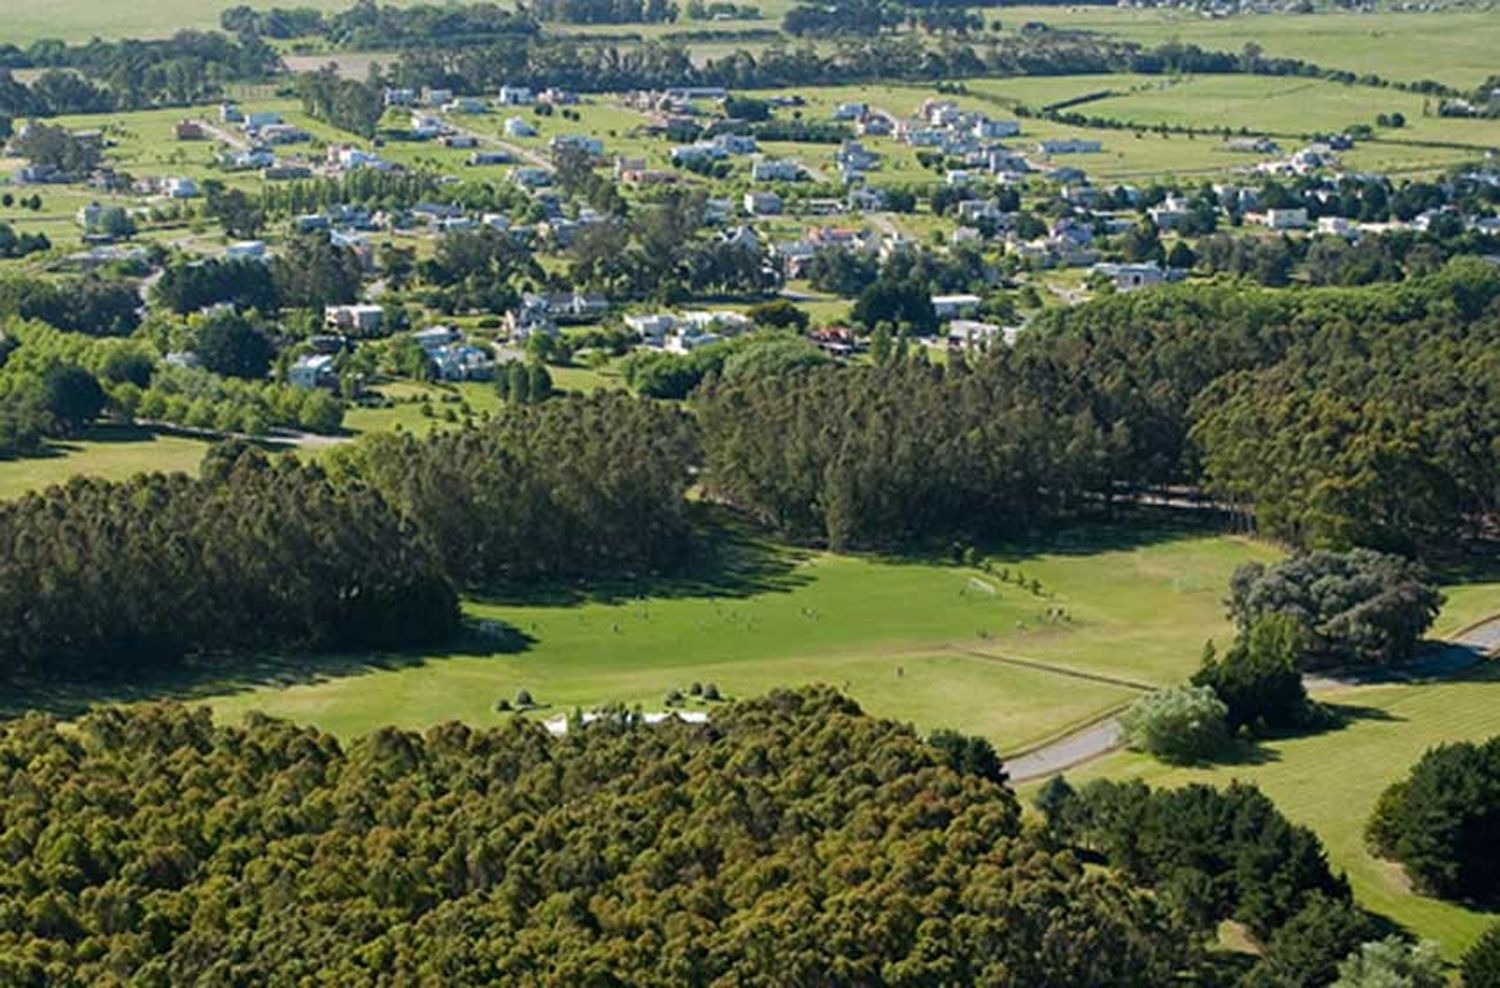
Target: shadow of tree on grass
(197,677)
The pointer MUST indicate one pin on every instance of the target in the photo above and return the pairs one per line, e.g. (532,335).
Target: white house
(516,96)
(518,127)
(986,129)
(1284,219)
(179,187)
(775,170)
(243,250)
(763,203)
(1070,146)
(313,371)
(1128,277)
(955,306)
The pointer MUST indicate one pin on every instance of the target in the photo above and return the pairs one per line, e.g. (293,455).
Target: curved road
(1465,649)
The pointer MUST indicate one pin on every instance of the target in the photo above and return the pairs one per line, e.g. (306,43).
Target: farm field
(1330,782)
(1286,106)
(1455,48)
(920,641)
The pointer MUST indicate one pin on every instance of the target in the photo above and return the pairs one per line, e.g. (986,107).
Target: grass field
(1456,48)
(108,452)
(924,642)
(1330,782)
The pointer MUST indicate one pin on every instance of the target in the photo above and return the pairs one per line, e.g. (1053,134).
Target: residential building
(519,127)
(314,370)
(775,170)
(362,318)
(955,306)
(763,203)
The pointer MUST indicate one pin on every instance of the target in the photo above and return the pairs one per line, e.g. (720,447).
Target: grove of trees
(791,841)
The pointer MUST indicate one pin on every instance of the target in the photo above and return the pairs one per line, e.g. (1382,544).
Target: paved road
(1466,649)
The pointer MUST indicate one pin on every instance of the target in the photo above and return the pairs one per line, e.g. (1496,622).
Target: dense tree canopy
(101,579)
(1359,606)
(790,841)
(575,487)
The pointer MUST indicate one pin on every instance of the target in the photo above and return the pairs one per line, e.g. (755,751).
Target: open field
(113,453)
(24,21)
(1330,782)
(1455,48)
(923,642)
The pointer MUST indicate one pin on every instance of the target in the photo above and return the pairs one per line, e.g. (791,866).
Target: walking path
(1462,651)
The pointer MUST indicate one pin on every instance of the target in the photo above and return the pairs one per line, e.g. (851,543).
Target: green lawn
(917,641)
(113,454)
(1330,782)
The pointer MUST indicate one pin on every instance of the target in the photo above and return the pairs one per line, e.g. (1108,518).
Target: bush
(1392,963)
(1441,821)
(1481,964)
(1177,724)
(523,699)
(1359,606)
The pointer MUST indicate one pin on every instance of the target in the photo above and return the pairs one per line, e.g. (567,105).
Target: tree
(227,343)
(311,272)
(1359,606)
(968,755)
(1259,678)
(778,314)
(539,382)
(1481,962)
(906,302)
(1441,820)
(1393,963)
(1307,949)
(1177,723)
(1181,256)
(73,397)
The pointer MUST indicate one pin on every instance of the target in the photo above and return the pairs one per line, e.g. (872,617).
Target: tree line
(119,580)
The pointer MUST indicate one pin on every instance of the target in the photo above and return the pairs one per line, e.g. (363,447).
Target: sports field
(932,643)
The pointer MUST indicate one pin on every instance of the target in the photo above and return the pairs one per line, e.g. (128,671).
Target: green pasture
(1453,47)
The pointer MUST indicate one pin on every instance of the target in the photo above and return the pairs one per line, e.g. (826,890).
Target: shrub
(1481,964)
(523,699)
(1392,963)
(1177,724)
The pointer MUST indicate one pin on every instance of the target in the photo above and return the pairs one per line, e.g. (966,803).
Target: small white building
(763,204)
(775,170)
(519,127)
(955,306)
(516,96)
(1284,219)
